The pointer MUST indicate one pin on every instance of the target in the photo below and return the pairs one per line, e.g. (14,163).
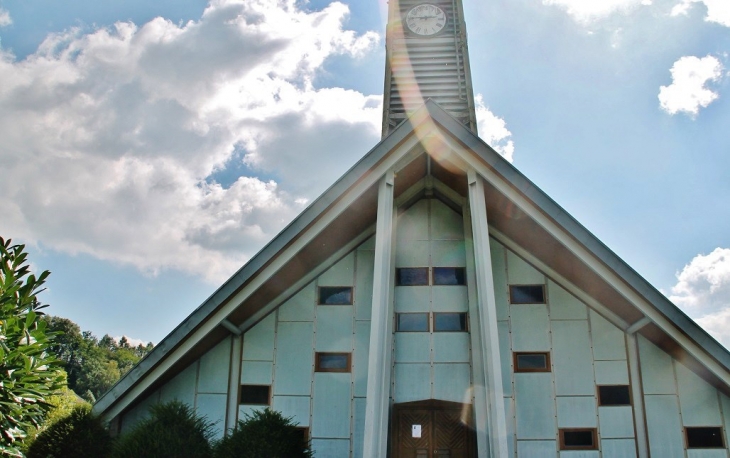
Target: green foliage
(173,430)
(264,434)
(28,374)
(78,434)
(63,402)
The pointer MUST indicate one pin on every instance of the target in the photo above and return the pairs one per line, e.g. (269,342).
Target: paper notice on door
(416,431)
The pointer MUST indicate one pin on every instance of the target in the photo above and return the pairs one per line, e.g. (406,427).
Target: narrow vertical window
(527,294)
(335,295)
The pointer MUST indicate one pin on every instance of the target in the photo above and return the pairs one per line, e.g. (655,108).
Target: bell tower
(427,58)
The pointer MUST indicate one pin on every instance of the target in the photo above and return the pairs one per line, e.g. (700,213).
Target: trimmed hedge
(78,434)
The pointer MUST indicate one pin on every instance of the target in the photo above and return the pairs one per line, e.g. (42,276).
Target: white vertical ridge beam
(234,381)
(487,317)
(637,395)
(479,382)
(378,389)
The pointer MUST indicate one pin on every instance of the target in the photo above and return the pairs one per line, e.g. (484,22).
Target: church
(434,302)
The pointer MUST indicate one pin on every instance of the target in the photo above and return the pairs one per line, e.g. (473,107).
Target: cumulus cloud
(5,18)
(688,92)
(703,292)
(493,130)
(586,11)
(717,10)
(112,139)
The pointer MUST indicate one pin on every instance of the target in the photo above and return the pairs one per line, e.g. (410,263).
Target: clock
(425,19)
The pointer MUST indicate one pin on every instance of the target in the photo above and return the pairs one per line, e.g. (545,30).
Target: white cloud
(586,11)
(703,292)
(493,130)
(5,18)
(717,10)
(688,93)
(111,139)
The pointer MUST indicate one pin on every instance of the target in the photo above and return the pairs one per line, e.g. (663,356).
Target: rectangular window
(449,276)
(614,395)
(335,295)
(527,294)
(332,362)
(411,276)
(255,395)
(449,322)
(412,322)
(532,362)
(704,437)
(578,439)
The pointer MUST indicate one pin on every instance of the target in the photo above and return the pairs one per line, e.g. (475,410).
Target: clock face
(425,19)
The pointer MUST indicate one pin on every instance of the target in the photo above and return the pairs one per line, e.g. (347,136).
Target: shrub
(173,430)
(264,434)
(64,402)
(80,433)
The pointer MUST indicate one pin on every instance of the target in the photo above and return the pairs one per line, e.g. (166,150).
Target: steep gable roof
(429,144)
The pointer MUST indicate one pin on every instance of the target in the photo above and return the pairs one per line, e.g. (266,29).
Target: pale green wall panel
(572,359)
(451,347)
(509,414)
(340,274)
(412,298)
(446,224)
(331,405)
(725,403)
(297,407)
(409,384)
(213,408)
(294,359)
(300,307)
(364,284)
(505,356)
(449,299)
(499,273)
(579,454)
(413,253)
(413,223)
(182,387)
(536,449)
(563,305)
(258,342)
(368,244)
(664,426)
(140,412)
(358,432)
(331,448)
(256,372)
(452,382)
(412,347)
(657,369)
(609,342)
(448,253)
(520,272)
(697,453)
(576,412)
(530,327)
(612,373)
(618,448)
(616,421)
(360,357)
(534,406)
(334,328)
(698,400)
(214,369)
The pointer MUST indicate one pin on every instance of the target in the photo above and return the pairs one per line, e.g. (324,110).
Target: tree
(264,434)
(78,434)
(28,373)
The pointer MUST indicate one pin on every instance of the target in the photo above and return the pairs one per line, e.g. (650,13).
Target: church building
(434,302)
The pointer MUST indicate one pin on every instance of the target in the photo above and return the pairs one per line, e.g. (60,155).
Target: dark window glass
(412,322)
(449,276)
(411,276)
(614,395)
(582,439)
(449,322)
(335,295)
(332,362)
(532,362)
(705,437)
(255,394)
(527,294)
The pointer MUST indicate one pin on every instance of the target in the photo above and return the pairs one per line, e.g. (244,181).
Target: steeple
(427,58)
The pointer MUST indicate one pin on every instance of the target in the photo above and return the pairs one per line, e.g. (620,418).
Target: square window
(449,322)
(255,395)
(411,276)
(532,362)
(578,439)
(527,294)
(704,437)
(614,395)
(332,362)
(412,322)
(335,295)
(449,276)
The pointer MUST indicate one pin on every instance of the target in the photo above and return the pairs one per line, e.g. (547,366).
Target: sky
(149,149)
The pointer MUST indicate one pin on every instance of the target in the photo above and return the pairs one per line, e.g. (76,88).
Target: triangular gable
(520,216)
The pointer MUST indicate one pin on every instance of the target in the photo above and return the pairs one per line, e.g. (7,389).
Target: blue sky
(148,149)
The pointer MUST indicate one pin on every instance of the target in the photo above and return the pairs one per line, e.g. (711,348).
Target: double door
(431,429)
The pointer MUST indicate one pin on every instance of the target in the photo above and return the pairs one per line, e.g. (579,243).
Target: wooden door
(439,424)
